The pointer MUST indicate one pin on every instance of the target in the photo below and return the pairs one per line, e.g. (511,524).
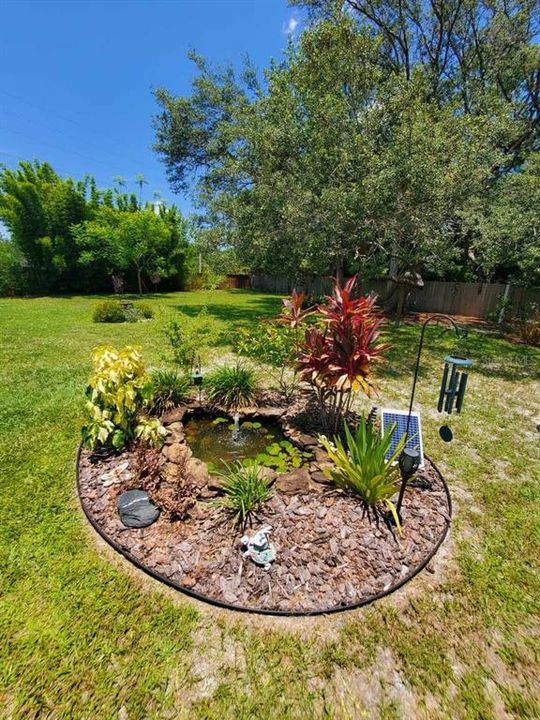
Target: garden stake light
(197,378)
(453,385)
(409,462)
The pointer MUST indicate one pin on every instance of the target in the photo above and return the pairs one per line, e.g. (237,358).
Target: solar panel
(414,441)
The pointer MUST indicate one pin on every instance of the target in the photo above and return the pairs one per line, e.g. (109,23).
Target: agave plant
(361,465)
(336,359)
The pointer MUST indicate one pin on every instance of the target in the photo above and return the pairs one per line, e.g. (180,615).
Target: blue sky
(76,76)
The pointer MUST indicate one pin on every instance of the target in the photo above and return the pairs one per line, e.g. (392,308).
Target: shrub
(119,392)
(361,467)
(109,311)
(189,336)
(272,344)
(530,329)
(170,388)
(245,490)
(232,387)
(144,310)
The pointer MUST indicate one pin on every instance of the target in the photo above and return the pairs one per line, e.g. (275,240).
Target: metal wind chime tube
(452,390)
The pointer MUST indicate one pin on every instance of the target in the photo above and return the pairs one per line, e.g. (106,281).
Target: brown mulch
(329,553)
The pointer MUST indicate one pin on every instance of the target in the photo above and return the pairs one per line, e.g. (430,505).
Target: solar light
(197,377)
(453,384)
(409,462)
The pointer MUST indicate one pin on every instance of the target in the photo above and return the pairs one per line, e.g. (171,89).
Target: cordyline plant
(336,355)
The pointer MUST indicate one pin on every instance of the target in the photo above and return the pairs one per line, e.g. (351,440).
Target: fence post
(503,306)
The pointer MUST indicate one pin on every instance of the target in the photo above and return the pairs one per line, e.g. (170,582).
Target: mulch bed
(329,554)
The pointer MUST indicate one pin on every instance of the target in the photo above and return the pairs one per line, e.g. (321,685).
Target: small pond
(218,439)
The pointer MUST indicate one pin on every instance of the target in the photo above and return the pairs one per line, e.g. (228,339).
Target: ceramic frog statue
(259,548)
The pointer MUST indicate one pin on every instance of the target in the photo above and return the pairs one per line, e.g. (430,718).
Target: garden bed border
(263,611)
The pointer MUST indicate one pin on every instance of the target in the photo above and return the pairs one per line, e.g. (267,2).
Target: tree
(39,209)
(140,181)
(141,241)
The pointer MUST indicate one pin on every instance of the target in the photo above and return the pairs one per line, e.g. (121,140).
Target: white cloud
(291,26)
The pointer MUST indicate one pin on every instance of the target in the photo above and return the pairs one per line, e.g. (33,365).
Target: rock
(319,477)
(136,510)
(196,471)
(175,434)
(170,473)
(214,483)
(174,416)
(294,482)
(270,413)
(321,456)
(177,453)
(268,474)
(306,441)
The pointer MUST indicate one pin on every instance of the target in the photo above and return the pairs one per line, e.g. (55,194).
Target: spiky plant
(232,387)
(169,389)
(361,466)
(245,490)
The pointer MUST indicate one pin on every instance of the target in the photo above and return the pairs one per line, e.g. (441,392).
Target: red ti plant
(293,312)
(336,357)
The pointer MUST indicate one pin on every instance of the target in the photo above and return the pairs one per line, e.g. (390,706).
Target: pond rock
(136,510)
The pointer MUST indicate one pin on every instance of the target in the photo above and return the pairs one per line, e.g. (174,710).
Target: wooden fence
(477,300)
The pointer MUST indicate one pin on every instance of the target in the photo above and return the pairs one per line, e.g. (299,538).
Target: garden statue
(259,548)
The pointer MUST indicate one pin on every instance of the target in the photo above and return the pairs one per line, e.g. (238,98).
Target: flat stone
(174,416)
(319,477)
(136,510)
(306,441)
(268,474)
(294,482)
(270,413)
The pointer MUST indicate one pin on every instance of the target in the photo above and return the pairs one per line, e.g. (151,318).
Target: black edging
(263,611)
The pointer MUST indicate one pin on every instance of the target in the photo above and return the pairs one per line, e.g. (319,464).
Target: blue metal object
(453,384)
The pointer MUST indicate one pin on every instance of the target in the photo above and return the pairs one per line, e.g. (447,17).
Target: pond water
(215,440)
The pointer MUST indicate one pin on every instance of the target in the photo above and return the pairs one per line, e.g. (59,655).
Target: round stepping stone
(136,510)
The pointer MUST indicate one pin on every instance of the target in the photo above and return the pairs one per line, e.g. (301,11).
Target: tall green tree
(39,209)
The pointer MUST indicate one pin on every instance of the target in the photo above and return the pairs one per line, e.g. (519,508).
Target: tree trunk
(139,280)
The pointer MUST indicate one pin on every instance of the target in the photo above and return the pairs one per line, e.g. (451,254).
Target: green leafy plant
(272,344)
(282,456)
(232,386)
(188,336)
(119,393)
(361,466)
(144,310)
(245,490)
(170,388)
(109,311)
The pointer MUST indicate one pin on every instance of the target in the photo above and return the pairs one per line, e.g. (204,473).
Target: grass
(82,638)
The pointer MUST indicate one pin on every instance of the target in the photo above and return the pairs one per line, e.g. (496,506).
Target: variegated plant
(119,393)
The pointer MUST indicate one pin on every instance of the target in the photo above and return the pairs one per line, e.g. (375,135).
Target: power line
(116,142)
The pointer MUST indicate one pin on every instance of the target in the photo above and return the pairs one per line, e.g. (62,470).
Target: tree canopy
(392,137)
(67,235)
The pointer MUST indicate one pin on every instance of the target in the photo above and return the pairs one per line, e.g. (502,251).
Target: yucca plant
(232,387)
(169,389)
(361,466)
(245,489)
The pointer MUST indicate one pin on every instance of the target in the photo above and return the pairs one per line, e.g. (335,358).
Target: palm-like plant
(361,465)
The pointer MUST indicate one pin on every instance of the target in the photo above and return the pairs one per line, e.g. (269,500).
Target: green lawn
(85,637)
